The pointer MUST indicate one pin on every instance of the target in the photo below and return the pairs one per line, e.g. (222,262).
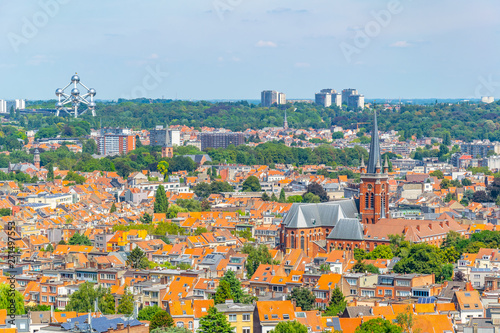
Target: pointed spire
(377,167)
(386,164)
(374,159)
(285,123)
(362,161)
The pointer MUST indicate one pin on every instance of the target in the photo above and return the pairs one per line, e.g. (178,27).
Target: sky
(234,49)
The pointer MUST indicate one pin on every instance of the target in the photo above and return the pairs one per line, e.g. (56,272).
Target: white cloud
(154,56)
(401,43)
(263,43)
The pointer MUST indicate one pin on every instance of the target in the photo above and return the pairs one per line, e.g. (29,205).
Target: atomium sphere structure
(75,98)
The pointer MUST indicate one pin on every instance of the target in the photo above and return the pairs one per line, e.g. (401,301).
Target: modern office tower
(356,102)
(115,144)
(3,106)
(221,140)
(270,97)
(164,137)
(20,104)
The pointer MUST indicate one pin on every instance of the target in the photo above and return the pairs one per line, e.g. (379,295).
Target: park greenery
(465,121)
(424,258)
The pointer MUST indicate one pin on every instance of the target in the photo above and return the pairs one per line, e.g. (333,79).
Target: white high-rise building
(3,106)
(328,97)
(20,104)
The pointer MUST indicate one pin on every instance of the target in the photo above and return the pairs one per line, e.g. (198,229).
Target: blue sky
(232,49)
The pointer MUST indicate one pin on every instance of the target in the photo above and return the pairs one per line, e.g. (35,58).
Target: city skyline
(381,48)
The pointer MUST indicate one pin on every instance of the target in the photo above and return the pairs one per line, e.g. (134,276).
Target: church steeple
(285,123)
(374,186)
(374,159)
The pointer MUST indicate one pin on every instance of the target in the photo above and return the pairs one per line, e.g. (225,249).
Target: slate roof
(347,229)
(100,324)
(325,214)
(357,311)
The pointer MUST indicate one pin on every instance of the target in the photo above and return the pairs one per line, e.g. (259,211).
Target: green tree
(256,256)
(126,303)
(148,312)
(425,259)
(311,198)
(273,198)
(378,325)
(237,293)
(137,259)
(162,168)
(295,198)
(303,297)
(50,173)
(282,198)
(380,252)
(5,212)
(74,177)
(107,303)
(205,206)
(222,293)
(6,299)
(200,230)
(83,299)
(251,184)
(359,267)
(437,173)
(161,319)
(161,201)
(113,208)
(49,248)
(337,303)
(214,322)
(78,239)
(265,197)
(318,190)
(146,219)
(290,327)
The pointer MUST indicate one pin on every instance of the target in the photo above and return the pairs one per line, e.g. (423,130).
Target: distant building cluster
(272,97)
(18,104)
(164,137)
(349,97)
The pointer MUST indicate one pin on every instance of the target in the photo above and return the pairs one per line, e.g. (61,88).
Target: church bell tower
(374,187)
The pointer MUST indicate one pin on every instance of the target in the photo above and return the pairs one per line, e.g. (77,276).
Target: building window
(372,200)
(246,329)
(353,292)
(292,240)
(232,317)
(246,317)
(302,242)
(190,325)
(367,198)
